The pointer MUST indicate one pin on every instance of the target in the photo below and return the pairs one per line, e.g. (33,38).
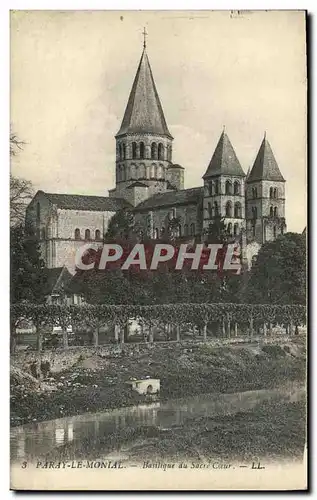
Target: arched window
(216,185)
(134,150)
(254,193)
(271,211)
(210,210)
(179,231)
(38,211)
(87,234)
(120,152)
(186,229)
(229,209)
(192,229)
(275,212)
(154,151)
(43,234)
(162,230)
(169,153)
(216,209)
(237,209)
(211,189)
(124,151)
(156,233)
(254,212)
(229,228)
(161,151)
(123,173)
(97,235)
(142,150)
(228,187)
(253,230)
(275,193)
(236,187)
(274,231)
(271,192)
(77,234)
(236,229)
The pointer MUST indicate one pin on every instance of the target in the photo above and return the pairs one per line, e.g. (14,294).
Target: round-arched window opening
(149,389)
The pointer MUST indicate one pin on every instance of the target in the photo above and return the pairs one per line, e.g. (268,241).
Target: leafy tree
(27,276)
(121,225)
(278,275)
(28,280)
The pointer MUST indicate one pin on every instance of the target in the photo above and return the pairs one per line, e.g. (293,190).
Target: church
(150,184)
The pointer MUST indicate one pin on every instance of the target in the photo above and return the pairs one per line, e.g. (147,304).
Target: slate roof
(224,161)
(84,202)
(144,113)
(172,198)
(265,166)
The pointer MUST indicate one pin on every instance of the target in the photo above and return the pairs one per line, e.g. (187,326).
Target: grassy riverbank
(96,381)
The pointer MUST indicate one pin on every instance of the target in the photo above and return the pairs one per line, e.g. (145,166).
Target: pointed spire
(224,160)
(144,113)
(265,166)
(144,33)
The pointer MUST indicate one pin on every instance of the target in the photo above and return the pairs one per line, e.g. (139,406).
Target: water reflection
(34,441)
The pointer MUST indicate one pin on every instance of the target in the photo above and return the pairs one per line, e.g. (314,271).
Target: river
(63,438)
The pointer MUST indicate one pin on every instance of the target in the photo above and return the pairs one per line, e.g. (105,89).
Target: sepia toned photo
(158,240)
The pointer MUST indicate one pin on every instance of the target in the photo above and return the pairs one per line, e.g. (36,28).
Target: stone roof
(265,166)
(172,198)
(137,184)
(224,161)
(144,113)
(176,165)
(85,202)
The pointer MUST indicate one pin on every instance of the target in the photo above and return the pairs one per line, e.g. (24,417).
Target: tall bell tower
(143,142)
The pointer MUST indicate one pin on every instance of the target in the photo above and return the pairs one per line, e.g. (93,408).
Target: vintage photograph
(158,241)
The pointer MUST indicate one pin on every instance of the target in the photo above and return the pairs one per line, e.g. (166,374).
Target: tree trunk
(270,329)
(65,337)
(291,330)
(116,332)
(223,328)
(205,332)
(96,336)
(228,328)
(178,333)
(151,336)
(264,329)
(122,328)
(13,339)
(251,326)
(236,329)
(39,338)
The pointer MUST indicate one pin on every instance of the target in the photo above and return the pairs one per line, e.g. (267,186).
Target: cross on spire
(144,33)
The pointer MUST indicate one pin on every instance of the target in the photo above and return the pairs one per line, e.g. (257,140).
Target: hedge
(196,314)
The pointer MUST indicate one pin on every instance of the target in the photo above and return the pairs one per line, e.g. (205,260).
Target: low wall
(63,359)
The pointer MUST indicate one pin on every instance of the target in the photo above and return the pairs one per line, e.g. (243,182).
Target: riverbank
(90,380)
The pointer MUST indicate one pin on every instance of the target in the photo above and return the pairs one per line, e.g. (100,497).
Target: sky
(72,72)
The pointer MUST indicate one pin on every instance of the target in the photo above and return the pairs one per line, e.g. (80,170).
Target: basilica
(150,184)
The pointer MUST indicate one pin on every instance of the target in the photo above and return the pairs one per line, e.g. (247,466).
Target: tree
(21,190)
(121,225)
(21,193)
(15,144)
(27,276)
(278,275)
